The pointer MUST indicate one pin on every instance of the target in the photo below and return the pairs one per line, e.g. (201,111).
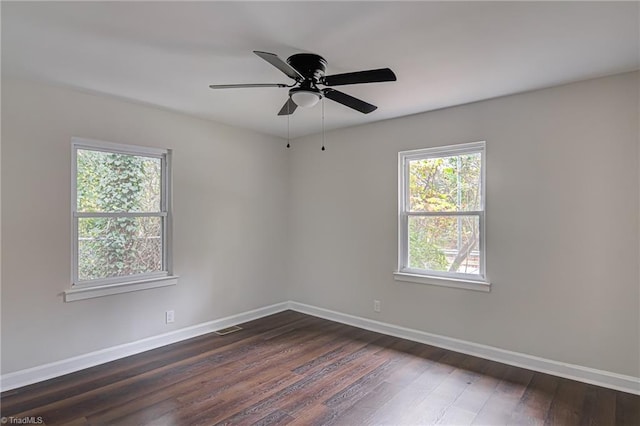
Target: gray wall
(562,224)
(229,231)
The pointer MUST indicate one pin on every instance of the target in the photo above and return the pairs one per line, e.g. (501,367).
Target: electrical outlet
(376,306)
(169,316)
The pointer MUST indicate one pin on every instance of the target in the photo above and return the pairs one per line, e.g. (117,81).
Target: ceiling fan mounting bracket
(306,86)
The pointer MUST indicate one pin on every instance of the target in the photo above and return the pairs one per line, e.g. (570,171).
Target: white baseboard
(48,371)
(606,379)
(593,376)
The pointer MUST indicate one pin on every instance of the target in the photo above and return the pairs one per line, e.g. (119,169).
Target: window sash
(165,179)
(77,282)
(405,157)
(404,247)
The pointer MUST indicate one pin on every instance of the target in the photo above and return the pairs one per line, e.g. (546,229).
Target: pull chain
(323,124)
(288,115)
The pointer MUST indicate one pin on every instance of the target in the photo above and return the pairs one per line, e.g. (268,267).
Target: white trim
(48,371)
(442,151)
(442,281)
(593,376)
(97,145)
(81,293)
(166,201)
(74,208)
(124,280)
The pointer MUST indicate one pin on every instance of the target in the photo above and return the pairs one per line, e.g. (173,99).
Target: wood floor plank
(363,410)
(291,368)
(316,415)
(278,417)
(325,386)
(396,410)
(627,409)
(498,409)
(435,409)
(146,415)
(475,396)
(400,354)
(533,407)
(425,358)
(453,415)
(599,407)
(567,404)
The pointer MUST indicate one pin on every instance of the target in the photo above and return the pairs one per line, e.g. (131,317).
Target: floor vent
(228,330)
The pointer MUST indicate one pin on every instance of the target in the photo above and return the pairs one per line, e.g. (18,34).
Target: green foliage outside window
(444,184)
(118,183)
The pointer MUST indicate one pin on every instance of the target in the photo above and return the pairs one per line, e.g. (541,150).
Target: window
(442,215)
(121,218)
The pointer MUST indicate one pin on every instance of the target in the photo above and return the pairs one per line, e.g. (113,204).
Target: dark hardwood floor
(297,369)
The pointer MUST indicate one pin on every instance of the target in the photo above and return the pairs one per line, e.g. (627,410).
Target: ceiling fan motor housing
(310,66)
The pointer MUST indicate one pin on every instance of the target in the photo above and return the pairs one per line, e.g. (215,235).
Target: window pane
(110,182)
(118,246)
(444,243)
(445,184)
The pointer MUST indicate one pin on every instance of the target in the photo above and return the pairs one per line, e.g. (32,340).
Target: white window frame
(448,279)
(84,289)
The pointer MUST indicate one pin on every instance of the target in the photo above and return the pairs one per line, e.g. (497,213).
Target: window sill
(443,282)
(81,293)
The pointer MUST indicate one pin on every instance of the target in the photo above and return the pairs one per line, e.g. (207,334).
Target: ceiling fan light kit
(306,95)
(308,71)
(304,98)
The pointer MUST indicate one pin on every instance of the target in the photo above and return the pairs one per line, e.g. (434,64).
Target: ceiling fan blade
(358,77)
(350,101)
(274,60)
(245,86)
(288,107)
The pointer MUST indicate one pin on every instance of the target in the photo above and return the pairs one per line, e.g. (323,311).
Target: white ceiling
(443,53)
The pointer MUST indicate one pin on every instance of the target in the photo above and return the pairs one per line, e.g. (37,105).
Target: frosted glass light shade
(305,99)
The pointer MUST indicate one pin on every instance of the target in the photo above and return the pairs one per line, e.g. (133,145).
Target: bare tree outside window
(442,211)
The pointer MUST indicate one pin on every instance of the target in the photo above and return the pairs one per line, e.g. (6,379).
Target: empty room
(320,213)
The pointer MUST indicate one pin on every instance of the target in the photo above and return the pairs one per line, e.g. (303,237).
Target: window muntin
(120,213)
(441,212)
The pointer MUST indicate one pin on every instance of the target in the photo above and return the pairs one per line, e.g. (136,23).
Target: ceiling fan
(308,71)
